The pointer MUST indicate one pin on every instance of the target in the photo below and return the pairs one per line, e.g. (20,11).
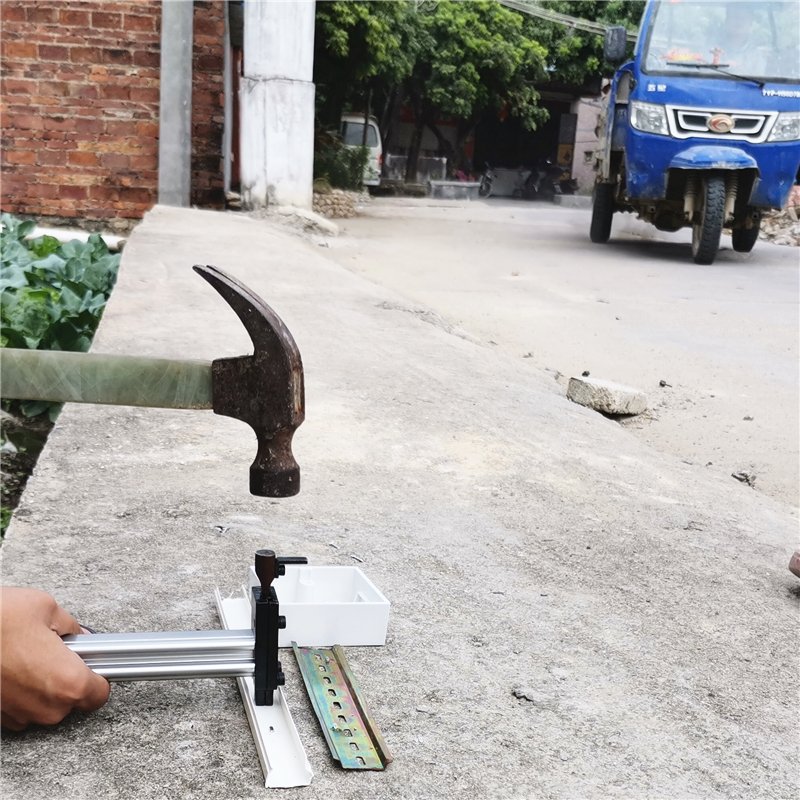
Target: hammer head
(265,390)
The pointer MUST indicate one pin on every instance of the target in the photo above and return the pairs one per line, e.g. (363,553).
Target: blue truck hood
(717,93)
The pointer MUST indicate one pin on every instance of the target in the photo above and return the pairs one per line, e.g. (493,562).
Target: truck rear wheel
(744,239)
(602,213)
(706,231)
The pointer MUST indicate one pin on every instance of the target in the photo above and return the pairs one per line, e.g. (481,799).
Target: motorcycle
(485,189)
(524,184)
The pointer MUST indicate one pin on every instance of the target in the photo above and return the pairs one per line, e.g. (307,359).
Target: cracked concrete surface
(640,605)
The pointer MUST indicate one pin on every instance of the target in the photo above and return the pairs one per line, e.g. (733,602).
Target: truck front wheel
(602,213)
(707,228)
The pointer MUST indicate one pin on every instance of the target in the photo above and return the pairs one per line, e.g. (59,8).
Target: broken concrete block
(605,396)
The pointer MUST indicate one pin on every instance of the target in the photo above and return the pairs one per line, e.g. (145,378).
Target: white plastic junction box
(324,606)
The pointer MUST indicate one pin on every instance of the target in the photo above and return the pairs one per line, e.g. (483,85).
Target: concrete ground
(574,613)
(525,277)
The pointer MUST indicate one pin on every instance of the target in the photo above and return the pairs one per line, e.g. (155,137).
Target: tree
(577,56)
(360,46)
(472,56)
(451,59)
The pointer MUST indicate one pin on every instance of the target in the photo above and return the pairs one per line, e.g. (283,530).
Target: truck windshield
(753,39)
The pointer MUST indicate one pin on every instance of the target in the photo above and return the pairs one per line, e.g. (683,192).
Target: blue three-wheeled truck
(702,128)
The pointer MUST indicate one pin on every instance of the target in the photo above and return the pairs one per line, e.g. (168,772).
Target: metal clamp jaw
(267,621)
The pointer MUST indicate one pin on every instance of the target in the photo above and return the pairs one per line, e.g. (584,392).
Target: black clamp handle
(267,621)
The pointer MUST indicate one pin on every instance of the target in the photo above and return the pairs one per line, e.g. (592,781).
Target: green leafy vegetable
(53,294)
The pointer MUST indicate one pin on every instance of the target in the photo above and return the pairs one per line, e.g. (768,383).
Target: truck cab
(702,127)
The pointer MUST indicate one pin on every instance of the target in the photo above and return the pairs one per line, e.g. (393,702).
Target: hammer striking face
(265,390)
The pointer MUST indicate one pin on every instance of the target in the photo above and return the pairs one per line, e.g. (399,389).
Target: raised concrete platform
(454,190)
(573,614)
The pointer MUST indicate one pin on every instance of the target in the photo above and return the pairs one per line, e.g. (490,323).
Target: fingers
(95,694)
(91,690)
(7,721)
(62,622)
(42,679)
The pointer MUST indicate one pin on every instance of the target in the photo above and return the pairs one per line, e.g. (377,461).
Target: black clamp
(267,621)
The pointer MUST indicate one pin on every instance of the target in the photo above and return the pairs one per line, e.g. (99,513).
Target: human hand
(41,679)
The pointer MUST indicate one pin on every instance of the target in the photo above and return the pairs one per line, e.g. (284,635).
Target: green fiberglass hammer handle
(265,389)
(63,377)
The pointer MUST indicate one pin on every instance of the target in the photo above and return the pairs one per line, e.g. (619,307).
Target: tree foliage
(476,55)
(452,59)
(360,45)
(577,56)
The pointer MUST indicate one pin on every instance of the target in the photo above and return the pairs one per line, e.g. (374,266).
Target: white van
(353,136)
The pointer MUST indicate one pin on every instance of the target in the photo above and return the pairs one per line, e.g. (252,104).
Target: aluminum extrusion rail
(166,655)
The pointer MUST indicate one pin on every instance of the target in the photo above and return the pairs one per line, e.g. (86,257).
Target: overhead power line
(535,10)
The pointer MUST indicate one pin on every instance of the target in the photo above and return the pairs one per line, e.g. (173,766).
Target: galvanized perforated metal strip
(351,733)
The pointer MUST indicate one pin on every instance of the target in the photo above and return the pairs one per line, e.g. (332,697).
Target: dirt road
(523,277)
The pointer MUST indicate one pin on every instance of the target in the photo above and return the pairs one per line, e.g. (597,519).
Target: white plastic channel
(283,758)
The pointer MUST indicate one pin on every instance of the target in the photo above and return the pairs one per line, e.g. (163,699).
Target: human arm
(41,679)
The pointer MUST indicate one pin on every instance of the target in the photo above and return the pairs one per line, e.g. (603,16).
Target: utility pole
(175,111)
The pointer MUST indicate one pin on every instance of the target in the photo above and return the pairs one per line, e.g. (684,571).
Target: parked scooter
(544,181)
(485,189)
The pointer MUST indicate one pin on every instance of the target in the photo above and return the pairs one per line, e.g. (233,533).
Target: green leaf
(74,269)
(32,314)
(44,246)
(12,338)
(9,224)
(71,248)
(52,265)
(32,408)
(96,274)
(24,228)
(70,301)
(98,245)
(13,277)
(15,252)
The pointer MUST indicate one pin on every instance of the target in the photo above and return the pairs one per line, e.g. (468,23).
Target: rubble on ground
(606,396)
(783,227)
(336,204)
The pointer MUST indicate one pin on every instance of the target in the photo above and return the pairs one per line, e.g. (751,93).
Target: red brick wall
(80,95)
(207,104)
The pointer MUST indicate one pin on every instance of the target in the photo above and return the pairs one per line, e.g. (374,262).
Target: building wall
(80,99)
(208,104)
(587,110)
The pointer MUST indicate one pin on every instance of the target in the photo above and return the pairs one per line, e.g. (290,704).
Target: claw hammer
(265,389)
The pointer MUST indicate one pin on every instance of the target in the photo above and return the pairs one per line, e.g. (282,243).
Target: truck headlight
(786,127)
(649,117)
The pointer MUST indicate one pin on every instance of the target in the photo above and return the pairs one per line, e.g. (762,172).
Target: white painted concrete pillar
(277,103)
